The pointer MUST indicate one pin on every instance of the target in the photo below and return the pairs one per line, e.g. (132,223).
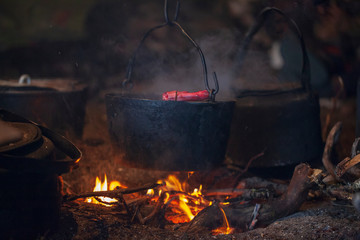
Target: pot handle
(25,78)
(127,83)
(305,72)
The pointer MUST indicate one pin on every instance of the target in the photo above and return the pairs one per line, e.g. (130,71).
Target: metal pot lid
(66,156)
(41,149)
(25,83)
(16,135)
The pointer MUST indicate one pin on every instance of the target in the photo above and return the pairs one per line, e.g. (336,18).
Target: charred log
(240,216)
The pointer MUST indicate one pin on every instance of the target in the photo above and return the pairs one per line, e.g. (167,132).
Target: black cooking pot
(58,104)
(282,124)
(30,182)
(168,135)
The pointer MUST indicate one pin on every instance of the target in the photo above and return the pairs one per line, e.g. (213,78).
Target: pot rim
(55,85)
(157,99)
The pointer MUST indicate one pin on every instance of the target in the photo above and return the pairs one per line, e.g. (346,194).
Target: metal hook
(216,90)
(212,91)
(166,14)
(127,83)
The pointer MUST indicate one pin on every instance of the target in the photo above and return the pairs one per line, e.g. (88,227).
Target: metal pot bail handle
(127,83)
(305,72)
(25,79)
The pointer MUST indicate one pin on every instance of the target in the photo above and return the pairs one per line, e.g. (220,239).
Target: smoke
(219,50)
(183,71)
(168,61)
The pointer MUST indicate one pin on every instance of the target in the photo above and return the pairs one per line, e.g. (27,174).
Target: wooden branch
(346,166)
(343,191)
(329,147)
(117,193)
(240,216)
(157,208)
(246,194)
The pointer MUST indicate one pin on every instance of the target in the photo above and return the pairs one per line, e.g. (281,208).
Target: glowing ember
(99,186)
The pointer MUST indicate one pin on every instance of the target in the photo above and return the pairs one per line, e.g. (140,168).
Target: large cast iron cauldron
(58,104)
(32,158)
(169,135)
(284,125)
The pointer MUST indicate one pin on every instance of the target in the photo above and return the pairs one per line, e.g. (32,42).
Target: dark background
(92,41)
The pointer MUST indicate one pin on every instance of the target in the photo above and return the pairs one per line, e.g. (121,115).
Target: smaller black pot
(58,104)
(284,125)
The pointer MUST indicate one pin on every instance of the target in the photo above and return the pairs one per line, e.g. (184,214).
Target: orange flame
(183,205)
(99,186)
(225,228)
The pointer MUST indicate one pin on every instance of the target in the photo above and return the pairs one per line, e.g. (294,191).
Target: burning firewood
(216,215)
(117,193)
(240,216)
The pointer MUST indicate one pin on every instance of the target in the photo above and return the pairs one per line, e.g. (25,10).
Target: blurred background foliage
(25,22)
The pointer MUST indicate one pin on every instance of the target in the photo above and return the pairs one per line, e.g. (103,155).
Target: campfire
(103,186)
(172,202)
(181,204)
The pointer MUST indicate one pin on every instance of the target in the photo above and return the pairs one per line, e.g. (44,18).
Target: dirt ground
(317,219)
